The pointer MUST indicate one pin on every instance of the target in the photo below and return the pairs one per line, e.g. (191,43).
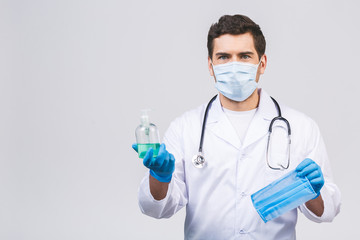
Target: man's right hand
(161,167)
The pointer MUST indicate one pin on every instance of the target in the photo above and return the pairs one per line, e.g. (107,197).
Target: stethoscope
(199,159)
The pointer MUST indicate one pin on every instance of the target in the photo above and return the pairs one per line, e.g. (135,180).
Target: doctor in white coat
(217,196)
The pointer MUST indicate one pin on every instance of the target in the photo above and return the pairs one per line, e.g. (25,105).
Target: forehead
(234,43)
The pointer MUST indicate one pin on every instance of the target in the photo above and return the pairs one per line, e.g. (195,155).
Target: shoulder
(184,130)
(295,114)
(294,117)
(299,121)
(189,120)
(190,116)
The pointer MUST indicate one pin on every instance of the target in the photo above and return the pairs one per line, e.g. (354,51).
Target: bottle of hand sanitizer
(147,135)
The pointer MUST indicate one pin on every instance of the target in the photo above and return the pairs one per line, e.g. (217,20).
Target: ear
(210,67)
(263,64)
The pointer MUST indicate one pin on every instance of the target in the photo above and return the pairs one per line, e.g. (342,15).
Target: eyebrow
(228,54)
(222,54)
(246,53)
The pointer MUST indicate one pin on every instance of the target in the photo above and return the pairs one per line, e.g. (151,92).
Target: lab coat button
(242,232)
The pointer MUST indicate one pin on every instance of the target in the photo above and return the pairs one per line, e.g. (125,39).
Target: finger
(167,162)
(317,181)
(313,175)
(166,159)
(148,158)
(307,170)
(172,162)
(161,158)
(303,164)
(162,149)
(135,147)
(172,158)
(162,153)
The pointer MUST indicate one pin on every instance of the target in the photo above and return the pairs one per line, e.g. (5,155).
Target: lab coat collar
(218,122)
(266,108)
(220,125)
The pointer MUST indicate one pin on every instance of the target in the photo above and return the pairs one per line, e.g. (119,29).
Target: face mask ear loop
(212,66)
(259,62)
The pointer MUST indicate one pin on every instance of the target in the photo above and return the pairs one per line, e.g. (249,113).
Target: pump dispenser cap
(145,117)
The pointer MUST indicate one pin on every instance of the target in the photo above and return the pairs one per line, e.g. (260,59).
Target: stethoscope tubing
(199,160)
(204,123)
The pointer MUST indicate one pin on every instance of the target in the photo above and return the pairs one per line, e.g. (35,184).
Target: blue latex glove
(161,167)
(309,169)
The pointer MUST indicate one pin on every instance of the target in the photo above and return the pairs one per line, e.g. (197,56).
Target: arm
(163,198)
(316,206)
(309,169)
(327,205)
(161,170)
(158,189)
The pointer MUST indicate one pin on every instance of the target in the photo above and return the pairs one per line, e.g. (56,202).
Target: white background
(74,75)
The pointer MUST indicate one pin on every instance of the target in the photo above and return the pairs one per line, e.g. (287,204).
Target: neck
(250,103)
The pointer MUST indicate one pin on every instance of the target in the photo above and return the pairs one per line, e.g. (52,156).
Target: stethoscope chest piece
(198,160)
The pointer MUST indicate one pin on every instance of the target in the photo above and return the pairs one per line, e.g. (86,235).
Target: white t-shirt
(240,120)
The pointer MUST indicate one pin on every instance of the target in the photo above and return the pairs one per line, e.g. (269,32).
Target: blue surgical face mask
(236,80)
(282,195)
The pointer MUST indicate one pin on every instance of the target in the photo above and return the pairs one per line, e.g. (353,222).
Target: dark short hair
(234,25)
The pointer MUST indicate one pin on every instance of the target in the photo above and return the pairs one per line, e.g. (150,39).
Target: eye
(223,57)
(246,57)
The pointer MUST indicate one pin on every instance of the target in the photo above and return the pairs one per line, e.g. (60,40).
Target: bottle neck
(145,121)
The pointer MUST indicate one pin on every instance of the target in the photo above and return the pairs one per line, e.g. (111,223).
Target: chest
(233,167)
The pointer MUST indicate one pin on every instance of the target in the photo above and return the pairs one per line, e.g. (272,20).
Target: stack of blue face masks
(282,195)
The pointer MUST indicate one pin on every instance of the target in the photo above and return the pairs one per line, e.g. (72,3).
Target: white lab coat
(217,197)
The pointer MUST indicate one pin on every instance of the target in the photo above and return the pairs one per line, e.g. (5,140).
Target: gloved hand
(161,167)
(308,168)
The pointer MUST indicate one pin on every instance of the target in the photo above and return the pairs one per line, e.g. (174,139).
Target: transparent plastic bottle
(147,135)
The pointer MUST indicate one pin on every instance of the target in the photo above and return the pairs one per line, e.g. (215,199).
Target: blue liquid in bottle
(143,148)
(147,136)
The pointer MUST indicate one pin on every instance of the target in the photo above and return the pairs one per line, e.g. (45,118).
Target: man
(235,146)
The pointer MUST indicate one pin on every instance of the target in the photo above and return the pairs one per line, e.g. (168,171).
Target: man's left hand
(309,169)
